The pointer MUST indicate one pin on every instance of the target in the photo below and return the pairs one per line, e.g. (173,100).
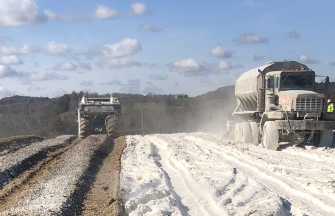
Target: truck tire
(238,132)
(254,132)
(112,127)
(84,127)
(270,136)
(246,136)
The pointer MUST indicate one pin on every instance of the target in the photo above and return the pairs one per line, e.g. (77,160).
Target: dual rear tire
(246,132)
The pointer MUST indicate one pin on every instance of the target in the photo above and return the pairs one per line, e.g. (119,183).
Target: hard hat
(329,101)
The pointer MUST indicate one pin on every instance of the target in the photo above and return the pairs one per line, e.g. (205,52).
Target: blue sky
(48,48)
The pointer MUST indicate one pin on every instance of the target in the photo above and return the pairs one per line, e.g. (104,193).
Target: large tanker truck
(278,104)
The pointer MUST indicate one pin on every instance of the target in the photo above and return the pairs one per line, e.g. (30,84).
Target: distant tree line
(42,116)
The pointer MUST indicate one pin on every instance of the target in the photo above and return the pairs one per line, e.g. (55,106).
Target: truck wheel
(112,127)
(84,127)
(270,136)
(238,132)
(254,132)
(246,136)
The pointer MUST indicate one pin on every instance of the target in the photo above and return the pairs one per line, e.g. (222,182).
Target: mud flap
(326,139)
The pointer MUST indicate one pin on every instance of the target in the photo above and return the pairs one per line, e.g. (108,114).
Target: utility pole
(142,120)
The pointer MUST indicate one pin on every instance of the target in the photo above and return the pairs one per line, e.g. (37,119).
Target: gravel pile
(56,182)
(14,143)
(9,160)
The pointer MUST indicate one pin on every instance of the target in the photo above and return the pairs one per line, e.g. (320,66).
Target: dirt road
(202,174)
(62,176)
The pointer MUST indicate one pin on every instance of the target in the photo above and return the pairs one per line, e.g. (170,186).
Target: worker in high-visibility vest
(330,108)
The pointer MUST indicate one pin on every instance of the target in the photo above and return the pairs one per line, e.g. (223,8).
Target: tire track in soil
(25,180)
(97,191)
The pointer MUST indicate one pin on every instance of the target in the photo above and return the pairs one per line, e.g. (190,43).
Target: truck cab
(294,92)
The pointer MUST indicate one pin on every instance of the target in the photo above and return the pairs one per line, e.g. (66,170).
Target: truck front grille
(310,104)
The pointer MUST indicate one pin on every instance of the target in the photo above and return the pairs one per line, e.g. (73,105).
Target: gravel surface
(202,174)
(14,143)
(55,183)
(9,160)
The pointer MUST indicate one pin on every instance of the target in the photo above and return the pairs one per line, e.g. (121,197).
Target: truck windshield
(297,80)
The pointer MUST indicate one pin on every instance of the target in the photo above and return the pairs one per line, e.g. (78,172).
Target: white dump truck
(278,104)
(98,115)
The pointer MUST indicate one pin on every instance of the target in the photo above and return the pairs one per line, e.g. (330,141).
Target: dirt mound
(14,143)
(103,198)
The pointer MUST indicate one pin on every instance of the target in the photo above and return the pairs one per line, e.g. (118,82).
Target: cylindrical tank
(247,87)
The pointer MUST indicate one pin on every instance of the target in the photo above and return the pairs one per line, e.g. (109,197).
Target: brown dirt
(11,144)
(104,196)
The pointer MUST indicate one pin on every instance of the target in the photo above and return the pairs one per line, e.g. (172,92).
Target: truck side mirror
(327,82)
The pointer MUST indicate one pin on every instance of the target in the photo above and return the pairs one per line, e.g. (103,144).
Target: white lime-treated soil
(203,174)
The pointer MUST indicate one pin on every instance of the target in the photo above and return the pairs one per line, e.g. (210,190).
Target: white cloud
(10,60)
(52,48)
(104,12)
(35,88)
(85,65)
(191,67)
(26,49)
(148,27)
(113,82)
(220,53)
(52,16)
(66,66)
(139,8)
(306,60)
(20,12)
(42,76)
(187,65)
(86,83)
(7,71)
(251,38)
(124,48)
(223,65)
(57,49)
(4,92)
(257,58)
(117,63)
(293,34)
